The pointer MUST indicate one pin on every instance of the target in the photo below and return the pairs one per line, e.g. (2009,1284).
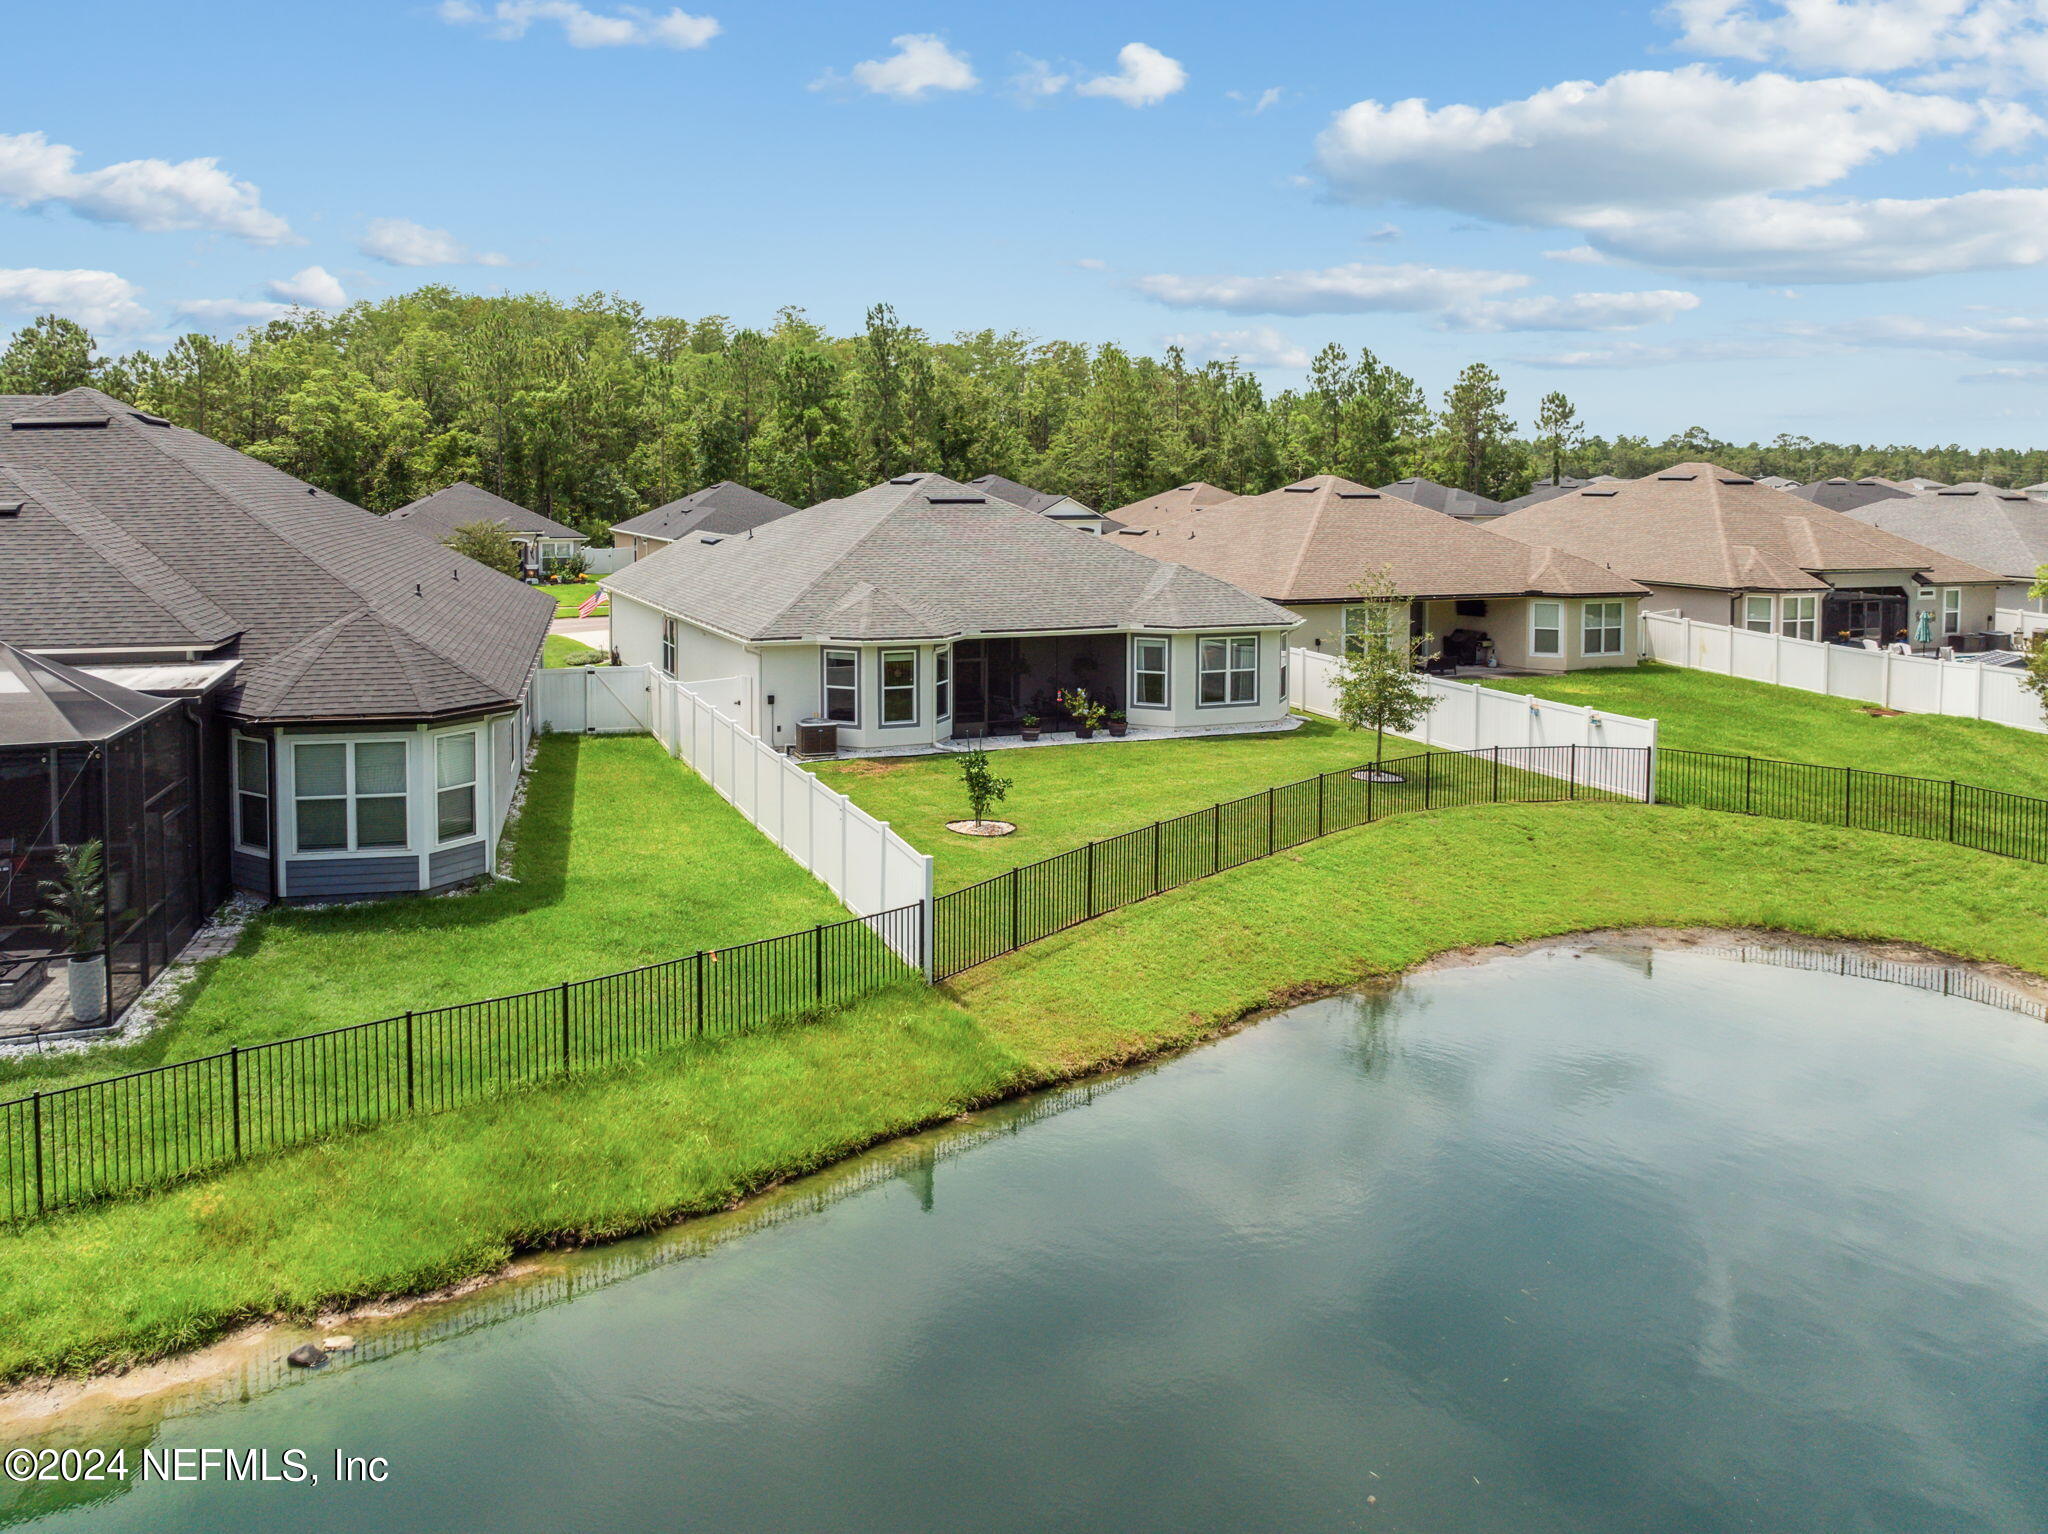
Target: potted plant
(1118,724)
(1088,714)
(1031,727)
(74,909)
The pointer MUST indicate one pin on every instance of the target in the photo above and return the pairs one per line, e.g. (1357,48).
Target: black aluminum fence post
(1216,838)
(565,1027)
(1371,772)
(1573,762)
(235,1091)
(818,961)
(1016,911)
(1428,777)
(1322,782)
(408,1063)
(36,1128)
(1748,777)
(1951,809)
(1269,822)
(1155,855)
(1091,879)
(1496,774)
(700,990)
(1848,786)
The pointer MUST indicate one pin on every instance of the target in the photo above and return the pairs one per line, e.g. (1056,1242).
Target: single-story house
(1778,482)
(1718,546)
(2004,531)
(2040,489)
(1473,597)
(355,692)
(1061,508)
(922,610)
(1179,498)
(543,542)
(1846,494)
(725,508)
(1465,505)
(1546,489)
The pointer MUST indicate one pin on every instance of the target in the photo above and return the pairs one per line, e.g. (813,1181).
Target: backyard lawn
(1699,711)
(570,595)
(560,650)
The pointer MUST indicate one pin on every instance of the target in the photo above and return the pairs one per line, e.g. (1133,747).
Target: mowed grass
(1699,711)
(561,650)
(435,1200)
(570,595)
(622,856)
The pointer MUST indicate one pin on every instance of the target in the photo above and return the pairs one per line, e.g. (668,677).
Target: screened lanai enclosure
(84,761)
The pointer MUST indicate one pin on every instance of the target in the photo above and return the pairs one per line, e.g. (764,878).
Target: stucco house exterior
(1720,547)
(2004,531)
(543,542)
(726,507)
(922,610)
(356,691)
(1473,598)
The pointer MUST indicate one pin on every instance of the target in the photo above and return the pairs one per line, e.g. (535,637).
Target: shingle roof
(725,507)
(1170,503)
(162,537)
(1846,494)
(1698,525)
(2002,530)
(923,557)
(1318,539)
(1444,498)
(1023,495)
(1545,490)
(461,504)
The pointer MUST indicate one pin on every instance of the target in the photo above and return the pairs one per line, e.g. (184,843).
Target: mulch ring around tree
(981,827)
(1375,775)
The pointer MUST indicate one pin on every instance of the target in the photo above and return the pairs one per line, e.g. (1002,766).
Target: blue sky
(1824,218)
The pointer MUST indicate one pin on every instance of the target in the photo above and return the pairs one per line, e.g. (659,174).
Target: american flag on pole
(590,604)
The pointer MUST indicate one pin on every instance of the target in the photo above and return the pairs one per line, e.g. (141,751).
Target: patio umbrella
(1923,627)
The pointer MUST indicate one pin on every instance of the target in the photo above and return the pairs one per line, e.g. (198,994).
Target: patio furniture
(21,979)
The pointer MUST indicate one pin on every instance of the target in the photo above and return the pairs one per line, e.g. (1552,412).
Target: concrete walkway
(595,632)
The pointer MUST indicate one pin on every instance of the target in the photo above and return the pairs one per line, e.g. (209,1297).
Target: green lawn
(570,595)
(438,1199)
(560,650)
(1697,710)
(623,856)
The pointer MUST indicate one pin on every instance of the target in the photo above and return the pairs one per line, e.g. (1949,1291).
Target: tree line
(593,410)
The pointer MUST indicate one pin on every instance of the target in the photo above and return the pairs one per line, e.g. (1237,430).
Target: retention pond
(1593,1237)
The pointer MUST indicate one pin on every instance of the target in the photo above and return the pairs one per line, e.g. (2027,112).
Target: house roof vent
(1736,479)
(957,500)
(1358,495)
(11,508)
(711,538)
(1678,476)
(1596,492)
(906,479)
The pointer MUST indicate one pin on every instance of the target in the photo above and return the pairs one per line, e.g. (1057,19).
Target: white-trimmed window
(349,795)
(942,682)
(1757,615)
(1799,617)
(842,686)
(1149,658)
(252,792)
(1600,628)
(455,786)
(1951,609)
(899,687)
(1381,618)
(1546,628)
(1227,670)
(671,634)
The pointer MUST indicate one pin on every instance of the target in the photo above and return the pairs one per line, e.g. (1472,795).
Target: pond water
(1595,1238)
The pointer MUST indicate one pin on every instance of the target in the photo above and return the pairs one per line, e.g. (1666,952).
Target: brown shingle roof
(1170,503)
(1316,540)
(1698,525)
(463,503)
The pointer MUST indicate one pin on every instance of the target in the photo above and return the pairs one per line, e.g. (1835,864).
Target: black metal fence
(981,921)
(147,1128)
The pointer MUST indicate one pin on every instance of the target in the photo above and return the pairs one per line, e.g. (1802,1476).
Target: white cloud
(1990,42)
(2011,337)
(1092,264)
(97,300)
(2006,376)
(1144,78)
(401,242)
(1577,255)
(237,310)
(1638,354)
(921,64)
(627,27)
(1259,347)
(1574,311)
(1266,99)
(1356,288)
(1386,234)
(1036,81)
(312,287)
(153,195)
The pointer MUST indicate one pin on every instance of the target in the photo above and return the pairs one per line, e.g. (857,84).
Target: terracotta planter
(1118,726)
(1029,731)
(1084,732)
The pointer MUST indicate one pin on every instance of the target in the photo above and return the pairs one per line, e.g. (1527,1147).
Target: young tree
(1377,684)
(1560,430)
(983,787)
(487,543)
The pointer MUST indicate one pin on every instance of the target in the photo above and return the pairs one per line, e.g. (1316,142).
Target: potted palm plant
(75,911)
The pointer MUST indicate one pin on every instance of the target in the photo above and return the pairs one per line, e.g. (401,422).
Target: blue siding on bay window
(341,878)
(452,865)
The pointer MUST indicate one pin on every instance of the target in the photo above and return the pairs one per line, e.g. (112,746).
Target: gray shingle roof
(923,557)
(1846,494)
(2003,530)
(1548,489)
(1022,495)
(163,537)
(725,507)
(1444,498)
(461,504)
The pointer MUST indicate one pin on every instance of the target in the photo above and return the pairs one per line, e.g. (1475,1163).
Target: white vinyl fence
(859,858)
(2022,622)
(1913,684)
(606,561)
(1470,716)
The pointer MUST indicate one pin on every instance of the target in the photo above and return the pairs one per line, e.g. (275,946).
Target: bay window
(1148,671)
(252,792)
(842,686)
(455,786)
(1756,614)
(349,796)
(899,687)
(1227,670)
(1600,626)
(1546,628)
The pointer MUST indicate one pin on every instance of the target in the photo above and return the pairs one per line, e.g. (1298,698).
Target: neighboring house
(1061,508)
(1846,494)
(719,510)
(1778,482)
(1473,597)
(1547,489)
(1916,485)
(2004,531)
(2040,489)
(1179,498)
(1462,504)
(543,542)
(922,610)
(354,691)
(1714,545)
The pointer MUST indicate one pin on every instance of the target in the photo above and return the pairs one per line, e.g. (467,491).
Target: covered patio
(998,681)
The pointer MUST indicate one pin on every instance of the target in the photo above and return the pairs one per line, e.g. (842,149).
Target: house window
(350,795)
(899,687)
(1799,617)
(942,681)
(1148,672)
(842,685)
(1600,625)
(252,793)
(1756,614)
(1228,669)
(1360,621)
(1952,609)
(1546,628)
(455,786)
(670,633)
